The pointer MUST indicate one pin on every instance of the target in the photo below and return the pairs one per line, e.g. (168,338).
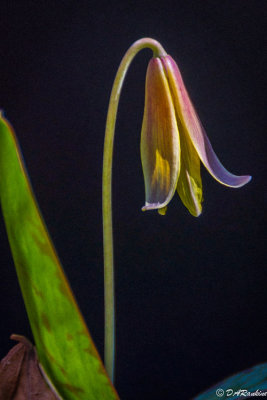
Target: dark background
(191,292)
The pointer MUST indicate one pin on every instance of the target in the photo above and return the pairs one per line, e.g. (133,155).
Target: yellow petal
(189,185)
(160,145)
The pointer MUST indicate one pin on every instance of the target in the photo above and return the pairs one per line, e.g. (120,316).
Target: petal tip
(155,206)
(249,178)
(242,181)
(197,214)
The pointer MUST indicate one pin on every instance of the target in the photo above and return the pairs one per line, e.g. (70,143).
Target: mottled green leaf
(64,345)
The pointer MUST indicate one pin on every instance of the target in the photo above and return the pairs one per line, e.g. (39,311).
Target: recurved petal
(195,130)
(160,148)
(189,185)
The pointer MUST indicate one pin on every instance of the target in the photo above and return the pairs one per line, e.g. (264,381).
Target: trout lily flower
(173,142)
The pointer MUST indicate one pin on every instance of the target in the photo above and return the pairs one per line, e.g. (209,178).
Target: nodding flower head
(173,142)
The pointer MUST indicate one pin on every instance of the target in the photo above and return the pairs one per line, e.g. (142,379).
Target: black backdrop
(191,293)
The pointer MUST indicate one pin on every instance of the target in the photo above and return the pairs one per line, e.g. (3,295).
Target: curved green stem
(106,195)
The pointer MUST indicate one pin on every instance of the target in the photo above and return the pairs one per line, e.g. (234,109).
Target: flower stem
(106,195)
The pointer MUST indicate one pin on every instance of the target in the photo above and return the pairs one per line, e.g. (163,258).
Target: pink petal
(195,130)
(160,148)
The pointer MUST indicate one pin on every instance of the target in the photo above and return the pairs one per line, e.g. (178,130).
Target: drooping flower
(173,142)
